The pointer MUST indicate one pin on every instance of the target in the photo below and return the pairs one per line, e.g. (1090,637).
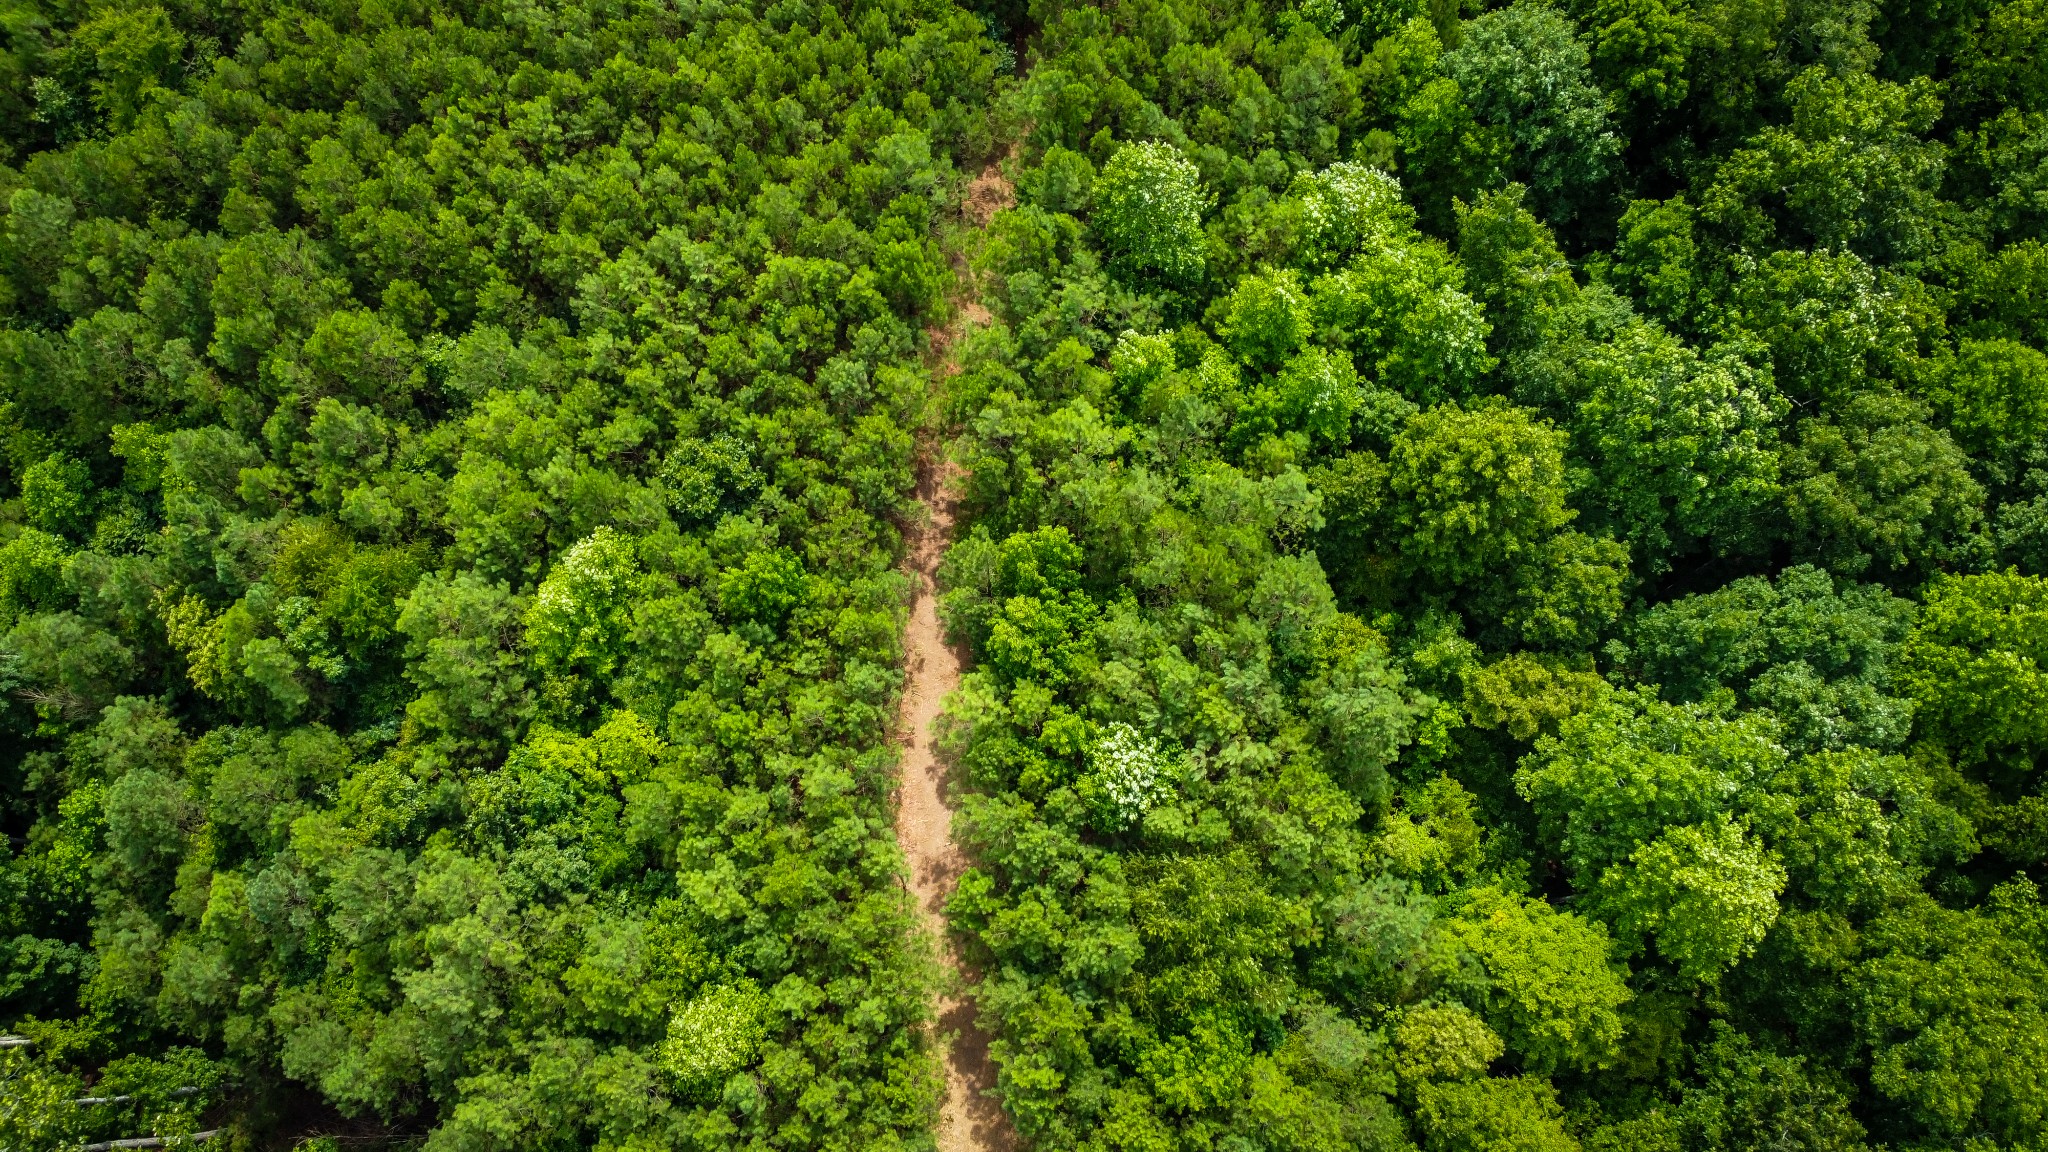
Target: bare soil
(970,1118)
(987,194)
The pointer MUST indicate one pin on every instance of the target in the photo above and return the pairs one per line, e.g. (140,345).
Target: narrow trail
(970,1120)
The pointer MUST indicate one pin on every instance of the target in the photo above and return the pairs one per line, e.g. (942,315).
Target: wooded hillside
(450,593)
(1504,550)
(1506,574)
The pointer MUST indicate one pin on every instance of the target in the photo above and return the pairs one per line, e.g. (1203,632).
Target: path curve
(970,1119)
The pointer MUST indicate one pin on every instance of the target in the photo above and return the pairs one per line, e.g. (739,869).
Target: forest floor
(970,1119)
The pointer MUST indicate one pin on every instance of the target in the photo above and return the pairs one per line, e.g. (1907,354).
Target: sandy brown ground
(970,1120)
(987,194)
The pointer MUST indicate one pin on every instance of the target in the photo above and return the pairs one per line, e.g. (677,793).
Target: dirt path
(970,1120)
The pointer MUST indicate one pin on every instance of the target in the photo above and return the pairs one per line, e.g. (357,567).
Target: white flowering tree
(1130,775)
(1148,212)
(1346,207)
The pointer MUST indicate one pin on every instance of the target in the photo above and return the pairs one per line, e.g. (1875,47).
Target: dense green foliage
(451,618)
(1506,559)
(1525,633)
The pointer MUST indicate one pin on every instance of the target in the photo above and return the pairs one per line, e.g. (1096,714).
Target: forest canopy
(1504,549)
(1503,560)
(452,461)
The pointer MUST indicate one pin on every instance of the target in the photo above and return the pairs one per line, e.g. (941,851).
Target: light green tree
(717,1033)
(1555,989)
(1474,489)
(1973,665)
(1514,1114)
(1705,892)
(1619,773)
(578,623)
(1442,1041)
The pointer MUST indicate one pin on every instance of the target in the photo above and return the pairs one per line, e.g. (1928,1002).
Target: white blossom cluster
(1148,210)
(1133,772)
(1325,14)
(1347,204)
